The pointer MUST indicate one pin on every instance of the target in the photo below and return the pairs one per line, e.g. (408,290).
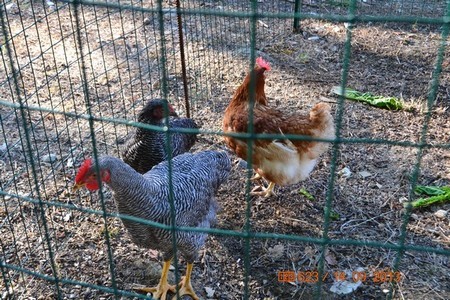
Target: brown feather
(318,123)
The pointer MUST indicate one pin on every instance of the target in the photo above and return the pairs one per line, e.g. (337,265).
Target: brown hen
(279,161)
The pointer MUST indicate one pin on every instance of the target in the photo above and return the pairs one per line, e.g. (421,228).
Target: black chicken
(195,180)
(148,148)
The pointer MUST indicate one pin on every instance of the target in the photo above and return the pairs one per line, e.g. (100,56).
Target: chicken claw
(186,289)
(186,286)
(266,192)
(160,291)
(256,177)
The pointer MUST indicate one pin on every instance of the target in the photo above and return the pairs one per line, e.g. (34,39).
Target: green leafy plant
(390,103)
(438,194)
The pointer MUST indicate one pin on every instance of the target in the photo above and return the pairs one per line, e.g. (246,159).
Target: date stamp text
(376,277)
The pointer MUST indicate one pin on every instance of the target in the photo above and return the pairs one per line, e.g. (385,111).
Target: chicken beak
(78,186)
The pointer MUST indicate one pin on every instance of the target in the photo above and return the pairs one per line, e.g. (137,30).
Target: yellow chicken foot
(160,291)
(266,192)
(185,285)
(256,177)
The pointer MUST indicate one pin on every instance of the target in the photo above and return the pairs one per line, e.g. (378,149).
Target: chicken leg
(266,192)
(185,285)
(256,177)
(160,291)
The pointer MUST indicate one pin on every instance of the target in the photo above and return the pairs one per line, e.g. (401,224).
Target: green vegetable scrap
(431,190)
(390,103)
(334,216)
(439,194)
(305,193)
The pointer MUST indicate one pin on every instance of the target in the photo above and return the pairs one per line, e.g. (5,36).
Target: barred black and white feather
(195,179)
(148,148)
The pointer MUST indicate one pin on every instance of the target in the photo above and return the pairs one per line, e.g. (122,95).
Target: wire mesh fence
(75,74)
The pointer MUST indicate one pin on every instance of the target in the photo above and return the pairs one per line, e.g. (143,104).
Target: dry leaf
(67,217)
(209,292)
(309,252)
(365,174)
(330,258)
(344,287)
(276,252)
(153,253)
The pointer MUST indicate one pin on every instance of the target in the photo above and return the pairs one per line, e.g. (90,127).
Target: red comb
(262,63)
(87,164)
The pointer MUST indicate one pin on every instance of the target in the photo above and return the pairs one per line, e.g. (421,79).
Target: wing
(182,142)
(317,123)
(148,148)
(195,180)
(145,150)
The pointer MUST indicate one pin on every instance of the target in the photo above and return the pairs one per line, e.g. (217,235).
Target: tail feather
(321,116)
(320,111)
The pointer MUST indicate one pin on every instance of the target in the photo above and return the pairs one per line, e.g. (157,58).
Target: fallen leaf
(50,158)
(345,172)
(344,287)
(330,258)
(67,217)
(276,251)
(309,251)
(153,253)
(441,214)
(364,174)
(209,292)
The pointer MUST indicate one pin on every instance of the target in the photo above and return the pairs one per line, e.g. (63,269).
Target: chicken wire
(78,89)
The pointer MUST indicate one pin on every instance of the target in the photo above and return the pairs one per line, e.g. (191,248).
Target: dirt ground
(122,67)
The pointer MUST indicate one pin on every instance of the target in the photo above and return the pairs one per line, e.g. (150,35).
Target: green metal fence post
(297,19)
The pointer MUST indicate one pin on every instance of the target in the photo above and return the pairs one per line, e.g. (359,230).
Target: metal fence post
(296,19)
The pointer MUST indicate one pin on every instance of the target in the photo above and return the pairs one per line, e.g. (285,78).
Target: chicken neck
(242,94)
(133,193)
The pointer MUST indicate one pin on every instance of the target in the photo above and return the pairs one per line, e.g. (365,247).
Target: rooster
(195,180)
(148,148)
(279,161)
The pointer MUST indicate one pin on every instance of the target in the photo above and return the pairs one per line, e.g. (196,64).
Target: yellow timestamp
(312,276)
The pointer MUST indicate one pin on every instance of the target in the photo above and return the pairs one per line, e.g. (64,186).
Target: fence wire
(74,76)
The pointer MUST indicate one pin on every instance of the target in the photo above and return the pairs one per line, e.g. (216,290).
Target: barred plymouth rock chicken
(195,180)
(148,148)
(280,161)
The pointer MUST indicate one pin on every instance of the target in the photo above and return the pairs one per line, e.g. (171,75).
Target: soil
(122,70)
